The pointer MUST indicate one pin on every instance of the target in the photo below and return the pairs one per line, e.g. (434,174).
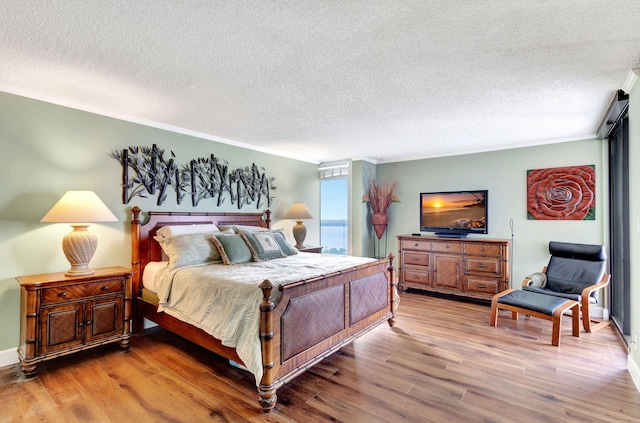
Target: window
(334,207)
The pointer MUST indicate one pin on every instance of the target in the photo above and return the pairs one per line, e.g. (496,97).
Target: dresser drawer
(482,249)
(447,247)
(415,244)
(416,259)
(485,286)
(78,291)
(415,276)
(483,265)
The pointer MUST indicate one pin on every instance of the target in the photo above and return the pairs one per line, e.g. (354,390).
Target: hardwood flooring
(442,362)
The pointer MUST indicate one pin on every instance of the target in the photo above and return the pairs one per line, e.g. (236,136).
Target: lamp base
(299,233)
(79,246)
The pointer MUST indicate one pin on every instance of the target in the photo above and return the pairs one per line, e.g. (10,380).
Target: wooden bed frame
(313,319)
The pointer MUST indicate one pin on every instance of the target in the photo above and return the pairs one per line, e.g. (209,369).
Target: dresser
(60,315)
(473,268)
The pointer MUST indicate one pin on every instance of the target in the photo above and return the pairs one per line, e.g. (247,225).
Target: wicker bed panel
(367,296)
(311,319)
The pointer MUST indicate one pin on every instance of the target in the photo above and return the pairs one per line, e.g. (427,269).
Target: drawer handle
(416,244)
(482,266)
(62,294)
(481,248)
(482,286)
(105,288)
(415,259)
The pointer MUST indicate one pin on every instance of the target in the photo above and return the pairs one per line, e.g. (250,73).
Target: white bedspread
(224,300)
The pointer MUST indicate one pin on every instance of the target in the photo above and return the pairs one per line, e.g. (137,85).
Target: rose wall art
(562,193)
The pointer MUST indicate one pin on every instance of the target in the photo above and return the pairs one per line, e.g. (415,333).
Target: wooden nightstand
(60,315)
(310,249)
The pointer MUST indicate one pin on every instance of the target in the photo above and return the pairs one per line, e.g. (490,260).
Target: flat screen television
(454,213)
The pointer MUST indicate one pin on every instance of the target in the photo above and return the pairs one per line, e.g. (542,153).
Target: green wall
(504,174)
(49,149)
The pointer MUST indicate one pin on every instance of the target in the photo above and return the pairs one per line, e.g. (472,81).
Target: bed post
(266,390)
(267,212)
(392,287)
(138,325)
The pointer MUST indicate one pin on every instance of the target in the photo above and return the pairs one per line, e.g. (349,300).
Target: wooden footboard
(316,317)
(313,318)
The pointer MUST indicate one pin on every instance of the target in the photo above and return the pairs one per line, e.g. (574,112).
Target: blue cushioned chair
(573,276)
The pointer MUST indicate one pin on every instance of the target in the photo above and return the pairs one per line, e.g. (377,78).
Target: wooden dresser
(60,315)
(474,268)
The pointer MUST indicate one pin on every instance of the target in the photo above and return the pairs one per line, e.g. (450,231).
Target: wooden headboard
(144,248)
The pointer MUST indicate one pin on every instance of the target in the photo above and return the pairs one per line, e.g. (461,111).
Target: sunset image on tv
(464,210)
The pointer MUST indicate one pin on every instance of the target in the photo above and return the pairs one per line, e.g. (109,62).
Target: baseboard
(599,313)
(9,357)
(634,371)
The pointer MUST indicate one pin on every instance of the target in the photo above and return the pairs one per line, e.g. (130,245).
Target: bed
(300,322)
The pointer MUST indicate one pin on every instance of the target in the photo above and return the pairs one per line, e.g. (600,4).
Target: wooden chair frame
(590,324)
(556,318)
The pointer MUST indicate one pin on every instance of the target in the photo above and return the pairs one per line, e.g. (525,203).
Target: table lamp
(79,245)
(299,211)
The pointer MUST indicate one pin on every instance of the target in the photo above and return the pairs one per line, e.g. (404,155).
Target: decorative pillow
(263,245)
(286,248)
(173,230)
(538,279)
(189,249)
(239,228)
(232,248)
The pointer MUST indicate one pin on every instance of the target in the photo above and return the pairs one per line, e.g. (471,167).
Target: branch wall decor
(145,172)
(562,193)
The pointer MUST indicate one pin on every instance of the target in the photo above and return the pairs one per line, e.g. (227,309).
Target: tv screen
(454,213)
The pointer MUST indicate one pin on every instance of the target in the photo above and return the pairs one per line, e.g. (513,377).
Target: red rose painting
(562,193)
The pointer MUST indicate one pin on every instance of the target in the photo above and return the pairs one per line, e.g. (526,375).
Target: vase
(379,220)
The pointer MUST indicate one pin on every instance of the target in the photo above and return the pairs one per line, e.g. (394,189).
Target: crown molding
(632,78)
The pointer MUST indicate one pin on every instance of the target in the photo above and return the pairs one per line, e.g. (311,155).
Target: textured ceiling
(321,80)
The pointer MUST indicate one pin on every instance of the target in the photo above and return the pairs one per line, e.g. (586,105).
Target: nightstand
(60,315)
(310,249)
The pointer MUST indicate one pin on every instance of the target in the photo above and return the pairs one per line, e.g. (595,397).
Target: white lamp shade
(299,211)
(80,208)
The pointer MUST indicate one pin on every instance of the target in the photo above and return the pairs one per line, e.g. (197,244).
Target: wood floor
(442,362)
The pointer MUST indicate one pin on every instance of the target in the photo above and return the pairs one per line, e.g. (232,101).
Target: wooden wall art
(145,172)
(562,193)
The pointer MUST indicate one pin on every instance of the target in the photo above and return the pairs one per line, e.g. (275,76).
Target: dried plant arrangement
(380,195)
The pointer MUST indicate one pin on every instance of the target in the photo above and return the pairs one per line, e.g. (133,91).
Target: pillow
(286,248)
(173,230)
(189,249)
(538,279)
(239,228)
(263,245)
(232,248)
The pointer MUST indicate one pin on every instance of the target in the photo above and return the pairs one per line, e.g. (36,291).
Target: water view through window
(334,234)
